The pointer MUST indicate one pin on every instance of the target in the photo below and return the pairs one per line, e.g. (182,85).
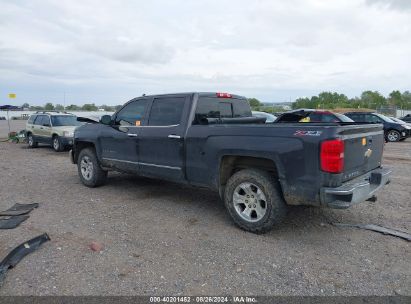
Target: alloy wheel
(249,202)
(86,166)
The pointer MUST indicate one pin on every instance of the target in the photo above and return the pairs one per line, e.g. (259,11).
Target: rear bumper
(355,191)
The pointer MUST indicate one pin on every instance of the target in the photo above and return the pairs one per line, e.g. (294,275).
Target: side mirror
(105,119)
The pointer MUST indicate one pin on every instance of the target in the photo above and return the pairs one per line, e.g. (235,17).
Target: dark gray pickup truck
(211,140)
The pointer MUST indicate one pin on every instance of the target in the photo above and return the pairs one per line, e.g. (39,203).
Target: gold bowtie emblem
(368,153)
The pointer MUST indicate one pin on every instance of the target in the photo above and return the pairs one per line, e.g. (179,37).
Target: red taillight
(224,95)
(332,156)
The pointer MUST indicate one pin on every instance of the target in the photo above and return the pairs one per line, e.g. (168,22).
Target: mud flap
(18,253)
(12,222)
(19,209)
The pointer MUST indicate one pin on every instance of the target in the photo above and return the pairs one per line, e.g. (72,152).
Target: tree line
(367,99)
(257,105)
(324,100)
(59,107)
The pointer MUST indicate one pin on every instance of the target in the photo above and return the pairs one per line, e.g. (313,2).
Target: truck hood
(90,119)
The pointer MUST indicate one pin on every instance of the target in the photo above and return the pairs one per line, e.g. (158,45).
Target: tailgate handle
(174,136)
(132,135)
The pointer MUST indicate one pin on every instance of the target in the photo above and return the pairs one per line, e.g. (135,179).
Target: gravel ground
(160,238)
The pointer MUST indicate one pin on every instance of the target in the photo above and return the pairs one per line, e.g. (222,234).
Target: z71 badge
(307,133)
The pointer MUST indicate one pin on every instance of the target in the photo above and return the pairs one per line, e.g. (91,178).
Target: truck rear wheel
(89,169)
(254,201)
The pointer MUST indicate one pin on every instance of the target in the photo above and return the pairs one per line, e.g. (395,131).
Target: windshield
(383,117)
(65,120)
(343,118)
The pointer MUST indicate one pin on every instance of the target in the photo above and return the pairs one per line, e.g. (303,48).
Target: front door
(161,147)
(120,141)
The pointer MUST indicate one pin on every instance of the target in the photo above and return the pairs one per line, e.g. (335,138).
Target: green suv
(53,128)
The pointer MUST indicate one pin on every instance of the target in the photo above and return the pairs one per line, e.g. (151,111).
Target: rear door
(161,148)
(46,130)
(39,128)
(119,142)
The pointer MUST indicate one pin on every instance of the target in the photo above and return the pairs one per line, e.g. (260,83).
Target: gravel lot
(164,239)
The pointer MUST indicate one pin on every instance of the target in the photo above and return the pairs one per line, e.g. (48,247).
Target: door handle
(174,136)
(132,135)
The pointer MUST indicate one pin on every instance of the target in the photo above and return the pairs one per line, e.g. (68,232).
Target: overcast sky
(108,52)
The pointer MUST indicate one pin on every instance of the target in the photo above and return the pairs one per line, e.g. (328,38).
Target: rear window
(383,117)
(213,107)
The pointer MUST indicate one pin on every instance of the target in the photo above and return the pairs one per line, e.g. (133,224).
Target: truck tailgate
(363,148)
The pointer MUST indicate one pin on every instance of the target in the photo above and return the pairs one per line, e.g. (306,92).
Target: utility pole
(64,101)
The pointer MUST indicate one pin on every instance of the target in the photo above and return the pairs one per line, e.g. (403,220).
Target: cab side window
(132,114)
(166,111)
(31,119)
(46,121)
(372,119)
(39,120)
(357,117)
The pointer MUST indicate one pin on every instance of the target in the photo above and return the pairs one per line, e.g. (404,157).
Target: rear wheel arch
(254,201)
(230,164)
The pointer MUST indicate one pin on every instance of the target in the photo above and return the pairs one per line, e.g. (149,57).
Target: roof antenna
(144,94)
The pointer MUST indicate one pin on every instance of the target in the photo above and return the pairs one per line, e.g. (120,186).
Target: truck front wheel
(89,169)
(254,201)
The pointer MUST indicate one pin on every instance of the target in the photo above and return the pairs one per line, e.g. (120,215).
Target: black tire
(274,205)
(95,175)
(393,135)
(56,144)
(31,142)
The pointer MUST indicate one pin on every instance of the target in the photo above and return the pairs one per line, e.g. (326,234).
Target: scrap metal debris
(18,253)
(19,209)
(383,230)
(15,215)
(13,221)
